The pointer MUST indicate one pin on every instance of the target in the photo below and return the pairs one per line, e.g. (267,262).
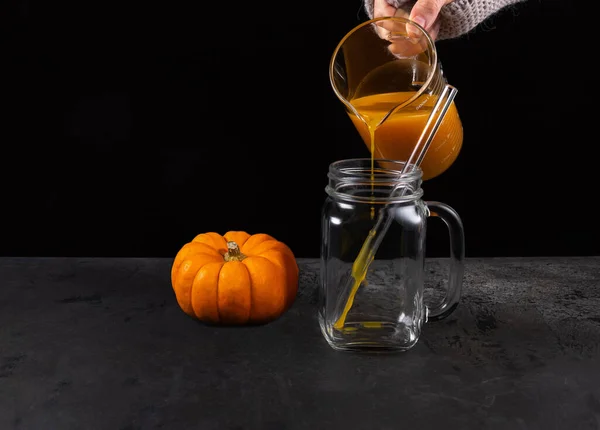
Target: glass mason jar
(375,300)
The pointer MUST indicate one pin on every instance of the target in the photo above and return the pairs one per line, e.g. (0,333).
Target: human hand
(423,12)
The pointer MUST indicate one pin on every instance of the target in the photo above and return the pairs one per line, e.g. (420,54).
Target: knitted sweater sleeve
(457,18)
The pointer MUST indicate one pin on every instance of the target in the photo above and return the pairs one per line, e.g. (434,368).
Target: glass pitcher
(386,310)
(387,74)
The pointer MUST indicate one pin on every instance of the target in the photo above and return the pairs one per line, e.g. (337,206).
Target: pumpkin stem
(233,252)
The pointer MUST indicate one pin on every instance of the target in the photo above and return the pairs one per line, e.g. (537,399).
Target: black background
(130,128)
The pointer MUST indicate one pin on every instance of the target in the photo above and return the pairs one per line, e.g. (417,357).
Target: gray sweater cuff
(458,17)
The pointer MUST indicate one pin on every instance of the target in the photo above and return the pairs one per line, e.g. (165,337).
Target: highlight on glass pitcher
(387,74)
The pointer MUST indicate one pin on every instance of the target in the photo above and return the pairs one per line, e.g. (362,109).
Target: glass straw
(378,232)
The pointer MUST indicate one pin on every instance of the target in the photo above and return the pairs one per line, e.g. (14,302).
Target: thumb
(425,12)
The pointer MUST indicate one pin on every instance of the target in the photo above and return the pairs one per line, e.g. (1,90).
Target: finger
(382,8)
(405,48)
(435,30)
(406,39)
(425,12)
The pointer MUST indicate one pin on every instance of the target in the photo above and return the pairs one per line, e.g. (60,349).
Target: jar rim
(354,180)
(377,170)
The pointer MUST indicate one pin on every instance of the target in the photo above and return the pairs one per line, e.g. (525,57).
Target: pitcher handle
(457,257)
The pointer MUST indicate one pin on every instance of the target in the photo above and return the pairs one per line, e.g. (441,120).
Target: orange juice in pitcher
(396,137)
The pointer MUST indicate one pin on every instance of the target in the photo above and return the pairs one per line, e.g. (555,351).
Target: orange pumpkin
(235,279)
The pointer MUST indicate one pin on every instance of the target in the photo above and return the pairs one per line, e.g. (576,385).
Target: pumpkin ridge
(187,256)
(201,285)
(251,291)
(267,261)
(275,262)
(254,241)
(244,262)
(280,247)
(212,239)
(204,245)
(217,295)
(190,248)
(292,277)
(185,288)
(234,280)
(266,246)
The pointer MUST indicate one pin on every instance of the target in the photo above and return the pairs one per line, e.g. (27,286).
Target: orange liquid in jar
(396,138)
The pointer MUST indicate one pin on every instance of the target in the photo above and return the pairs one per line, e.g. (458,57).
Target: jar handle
(457,257)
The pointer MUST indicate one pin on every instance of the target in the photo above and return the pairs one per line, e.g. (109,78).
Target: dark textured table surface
(102,344)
